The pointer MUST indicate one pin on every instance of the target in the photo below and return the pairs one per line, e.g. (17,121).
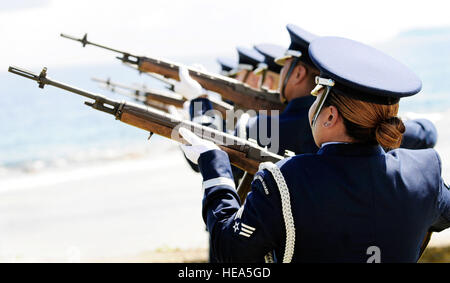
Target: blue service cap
(300,40)
(270,53)
(249,58)
(362,72)
(227,65)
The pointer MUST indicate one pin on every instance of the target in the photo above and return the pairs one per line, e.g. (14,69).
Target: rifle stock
(245,186)
(241,94)
(242,153)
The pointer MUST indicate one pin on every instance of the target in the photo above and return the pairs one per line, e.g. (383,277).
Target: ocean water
(51,127)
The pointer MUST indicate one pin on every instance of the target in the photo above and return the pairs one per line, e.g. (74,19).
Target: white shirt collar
(327,143)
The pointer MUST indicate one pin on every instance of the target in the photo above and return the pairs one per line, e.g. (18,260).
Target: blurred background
(76,185)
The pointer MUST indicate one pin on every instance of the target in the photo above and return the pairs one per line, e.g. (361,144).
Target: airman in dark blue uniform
(249,59)
(349,202)
(269,69)
(289,129)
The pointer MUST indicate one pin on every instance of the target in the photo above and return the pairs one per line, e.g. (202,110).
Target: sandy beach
(136,209)
(115,211)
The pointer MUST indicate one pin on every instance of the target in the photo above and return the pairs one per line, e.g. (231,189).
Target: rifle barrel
(43,80)
(101,103)
(149,94)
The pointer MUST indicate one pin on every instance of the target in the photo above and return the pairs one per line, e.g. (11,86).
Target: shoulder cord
(286,208)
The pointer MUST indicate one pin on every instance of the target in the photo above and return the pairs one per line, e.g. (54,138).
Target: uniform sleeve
(419,134)
(239,233)
(443,207)
(442,221)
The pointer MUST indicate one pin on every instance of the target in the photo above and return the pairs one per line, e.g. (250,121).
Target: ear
(331,116)
(300,73)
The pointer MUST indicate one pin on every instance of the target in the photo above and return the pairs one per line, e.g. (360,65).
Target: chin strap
(321,83)
(288,75)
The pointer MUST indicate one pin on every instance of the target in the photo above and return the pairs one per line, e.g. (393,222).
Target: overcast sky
(30,28)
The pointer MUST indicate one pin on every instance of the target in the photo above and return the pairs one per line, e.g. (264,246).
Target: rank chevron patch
(246,230)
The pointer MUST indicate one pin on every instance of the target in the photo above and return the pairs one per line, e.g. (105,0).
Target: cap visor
(282,60)
(233,72)
(258,71)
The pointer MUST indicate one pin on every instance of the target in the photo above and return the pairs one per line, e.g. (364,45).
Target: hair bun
(389,132)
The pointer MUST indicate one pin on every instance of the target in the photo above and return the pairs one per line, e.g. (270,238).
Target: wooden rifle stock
(245,186)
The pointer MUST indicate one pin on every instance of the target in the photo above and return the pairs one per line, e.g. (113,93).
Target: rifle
(145,95)
(244,154)
(138,98)
(163,97)
(242,95)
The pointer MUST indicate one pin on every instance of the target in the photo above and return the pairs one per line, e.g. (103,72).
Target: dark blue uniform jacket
(294,130)
(344,199)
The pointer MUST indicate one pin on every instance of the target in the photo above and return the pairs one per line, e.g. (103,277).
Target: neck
(297,95)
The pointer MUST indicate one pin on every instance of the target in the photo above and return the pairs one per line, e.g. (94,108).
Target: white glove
(187,86)
(174,112)
(199,67)
(197,147)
